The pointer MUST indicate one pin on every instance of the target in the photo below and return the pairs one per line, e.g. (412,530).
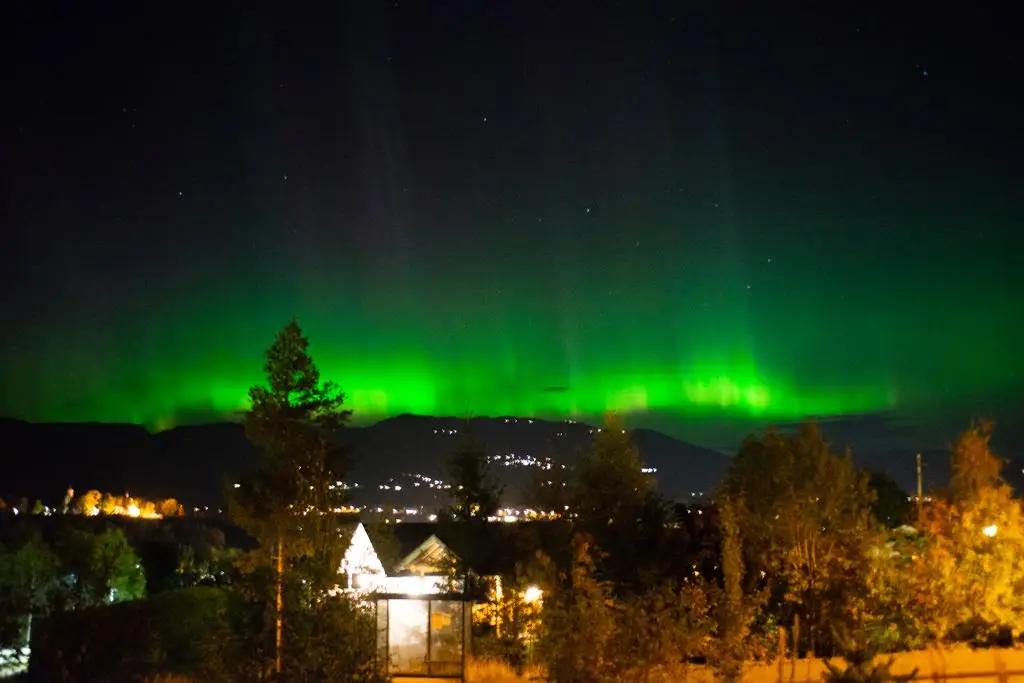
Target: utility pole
(920,488)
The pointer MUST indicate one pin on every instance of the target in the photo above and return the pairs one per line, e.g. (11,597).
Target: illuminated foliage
(507,626)
(808,526)
(108,504)
(963,576)
(986,538)
(94,503)
(170,508)
(89,502)
(659,631)
(909,578)
(733,613)
(578,625)
(973,466)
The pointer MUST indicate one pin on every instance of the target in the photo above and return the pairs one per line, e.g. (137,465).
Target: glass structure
(423,637)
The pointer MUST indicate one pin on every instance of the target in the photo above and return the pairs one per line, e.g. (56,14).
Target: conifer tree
(288,503)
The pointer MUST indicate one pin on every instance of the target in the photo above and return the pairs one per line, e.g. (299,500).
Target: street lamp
(991,530)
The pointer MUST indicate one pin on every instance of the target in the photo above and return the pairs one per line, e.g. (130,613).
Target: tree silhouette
(972,464)
(892,504)
(610,485)
(29,577)
(475,492)
(288,503)
(615,504)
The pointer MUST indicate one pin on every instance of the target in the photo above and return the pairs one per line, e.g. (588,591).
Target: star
(587,210)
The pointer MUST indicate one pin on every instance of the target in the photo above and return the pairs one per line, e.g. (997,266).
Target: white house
(423,570)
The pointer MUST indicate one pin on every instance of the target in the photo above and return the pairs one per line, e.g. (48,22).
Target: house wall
(404,585)
(360,556)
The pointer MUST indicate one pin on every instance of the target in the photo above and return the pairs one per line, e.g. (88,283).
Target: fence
(954,664)
(933,664)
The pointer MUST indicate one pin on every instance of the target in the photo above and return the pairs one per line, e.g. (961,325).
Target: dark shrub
(124,642)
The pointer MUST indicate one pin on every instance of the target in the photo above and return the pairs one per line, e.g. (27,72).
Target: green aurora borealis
(745,359)
(688,326)
(506,209)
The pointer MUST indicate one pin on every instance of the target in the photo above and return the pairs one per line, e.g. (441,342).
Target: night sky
(705,216)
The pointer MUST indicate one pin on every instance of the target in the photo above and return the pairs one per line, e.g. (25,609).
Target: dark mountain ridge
(192,463)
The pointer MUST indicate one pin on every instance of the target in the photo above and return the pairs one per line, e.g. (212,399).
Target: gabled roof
(394,542)
(430,557)
(411,535)
(494,549)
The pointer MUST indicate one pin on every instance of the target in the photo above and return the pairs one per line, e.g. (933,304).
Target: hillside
(191,463)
